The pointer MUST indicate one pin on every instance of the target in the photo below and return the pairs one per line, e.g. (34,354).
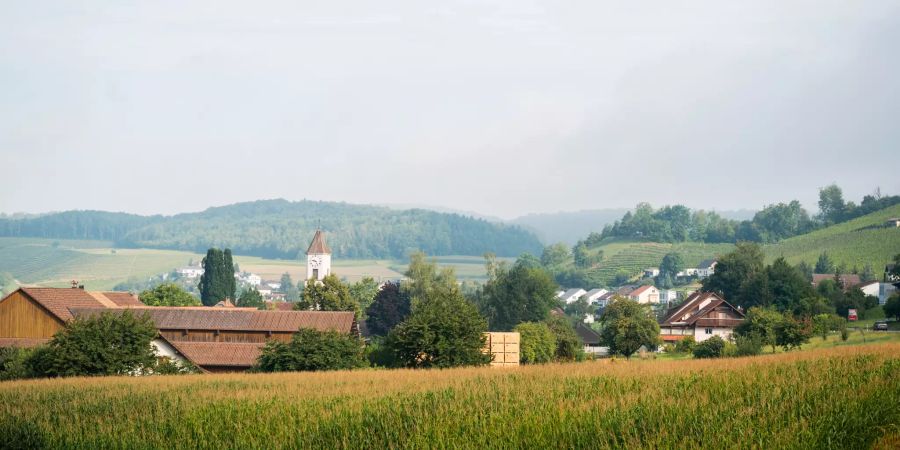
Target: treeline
(773,223)
(282,229)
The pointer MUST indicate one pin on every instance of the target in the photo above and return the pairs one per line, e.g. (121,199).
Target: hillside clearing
(839,398)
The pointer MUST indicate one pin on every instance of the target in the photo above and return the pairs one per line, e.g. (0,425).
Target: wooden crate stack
(504,347)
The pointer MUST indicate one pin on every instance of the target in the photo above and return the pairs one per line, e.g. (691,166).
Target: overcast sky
(503,108)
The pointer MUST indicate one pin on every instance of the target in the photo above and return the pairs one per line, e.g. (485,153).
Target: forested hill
(283,229)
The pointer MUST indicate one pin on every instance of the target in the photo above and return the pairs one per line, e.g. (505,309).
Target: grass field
(841,397)
(96,264)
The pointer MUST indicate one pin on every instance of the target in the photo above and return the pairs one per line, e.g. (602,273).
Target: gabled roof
(692,306)
(587,334)
(220,354)
(706,264)
(58,301)
(318,245)
(641,290)
(595,291)
(625,290)
(237,319)
(572,292)
(848,279)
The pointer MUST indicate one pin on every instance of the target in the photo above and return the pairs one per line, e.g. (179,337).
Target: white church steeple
(318,258)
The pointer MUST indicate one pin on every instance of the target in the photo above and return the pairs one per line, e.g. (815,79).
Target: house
(870,288)
(687,273)
(848,280)
(651,272)
(222,339)
(893,222)
(645,294)
(572,295)
(190,272)
(228,339)
(591,340)
(31,316)
(706,268)
(264,291)
(250,278)
(594,294)
(667,295)
(560,293)
(604,299)
(703,315)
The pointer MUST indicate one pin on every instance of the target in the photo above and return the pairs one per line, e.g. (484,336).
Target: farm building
(848,280)
(703,315)
(216,339)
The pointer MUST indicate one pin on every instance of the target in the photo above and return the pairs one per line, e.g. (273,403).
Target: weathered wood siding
(21,317)
(222,336)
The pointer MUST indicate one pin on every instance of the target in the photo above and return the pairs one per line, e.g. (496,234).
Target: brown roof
(237,319)
(221,354)
(318,245)
(59,300)
(587,334)
(692,306)
(640,290)
(849,280)
(22,342)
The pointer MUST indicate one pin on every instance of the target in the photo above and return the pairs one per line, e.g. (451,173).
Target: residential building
(870,288)
(572,295)
(647,294)
(893,222)
(651,272)
(703,315)
(885,291)
(667,295)
(189,272)
(591,340)
(706,268)
(594,294)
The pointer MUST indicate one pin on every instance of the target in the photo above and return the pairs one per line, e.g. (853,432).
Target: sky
(498,107)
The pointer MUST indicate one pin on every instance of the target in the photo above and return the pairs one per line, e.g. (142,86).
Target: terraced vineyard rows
(633,257)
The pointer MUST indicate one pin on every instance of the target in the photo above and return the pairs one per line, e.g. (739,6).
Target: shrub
(312,350)
(105,344)
(747,345)
(169,366)
(710,348)
(686,345)
(380,355)
(568,345)
(537,342)
(14,363)
(792,333)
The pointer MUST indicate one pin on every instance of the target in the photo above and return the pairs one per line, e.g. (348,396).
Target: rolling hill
(282,229)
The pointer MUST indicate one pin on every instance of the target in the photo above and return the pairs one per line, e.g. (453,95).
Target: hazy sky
(502,107)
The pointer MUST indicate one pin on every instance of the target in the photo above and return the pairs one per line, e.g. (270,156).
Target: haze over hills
(282,229)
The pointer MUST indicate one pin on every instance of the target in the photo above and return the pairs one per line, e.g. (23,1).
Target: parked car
(880,326)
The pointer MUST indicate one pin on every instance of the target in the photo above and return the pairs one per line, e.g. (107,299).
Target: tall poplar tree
(229,280)
(217,282)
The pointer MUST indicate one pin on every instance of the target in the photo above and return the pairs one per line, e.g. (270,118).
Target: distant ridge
(282,229)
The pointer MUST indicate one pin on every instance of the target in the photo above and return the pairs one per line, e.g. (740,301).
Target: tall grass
(835,398)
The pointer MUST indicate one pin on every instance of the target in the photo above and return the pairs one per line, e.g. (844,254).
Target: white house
(645,294)
(651,272)
(892,222)
(872,288)
(190,272)
(703,315)
(706,268)
(594,294)
(691,272)
(572,295)
(250,278)
(667,295)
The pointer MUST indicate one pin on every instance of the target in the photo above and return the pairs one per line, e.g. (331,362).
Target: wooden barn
(216,339)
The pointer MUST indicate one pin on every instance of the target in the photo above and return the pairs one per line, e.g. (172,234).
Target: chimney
(74,284)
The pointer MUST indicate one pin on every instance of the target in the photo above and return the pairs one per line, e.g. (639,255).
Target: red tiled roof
(236,319)
(223,354)
(125,299)
(59,300)
(640,290)
(849,280)
(22,342)
(318,245)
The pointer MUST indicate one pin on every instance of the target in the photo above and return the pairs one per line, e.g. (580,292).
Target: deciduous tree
(168,294)
(390,307)
(628,325)
(312,350)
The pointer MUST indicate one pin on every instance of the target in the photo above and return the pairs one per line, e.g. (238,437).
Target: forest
(283,229)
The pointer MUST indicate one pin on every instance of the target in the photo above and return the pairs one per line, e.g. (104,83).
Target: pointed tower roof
(318,245)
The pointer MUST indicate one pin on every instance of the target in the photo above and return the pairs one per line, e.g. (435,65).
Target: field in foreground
(832,398)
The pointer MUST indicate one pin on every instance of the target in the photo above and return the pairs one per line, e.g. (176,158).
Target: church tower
(318,258)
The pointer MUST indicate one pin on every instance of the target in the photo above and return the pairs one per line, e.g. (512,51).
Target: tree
(892,307)
(425,280)
(628,325)
(230,281)
(868,274)
(686,345)
(791,333)
(805,270)
(363,292)
(733,271)
(288,288)
(554,255)
(568,345)
(443,330)
(168,294)
(831,205)
(824,264)
(713,347)
(580,308)
(537,343)
(390,307)
(251,298)
(216,281)
(671,264)
(787,286)
(516,294)
(761,323)
(106,344)
(311,349)
(327,295)
(581,256)
(822,324)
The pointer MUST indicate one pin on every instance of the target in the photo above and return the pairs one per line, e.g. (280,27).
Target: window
(315,274)
(708,331)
